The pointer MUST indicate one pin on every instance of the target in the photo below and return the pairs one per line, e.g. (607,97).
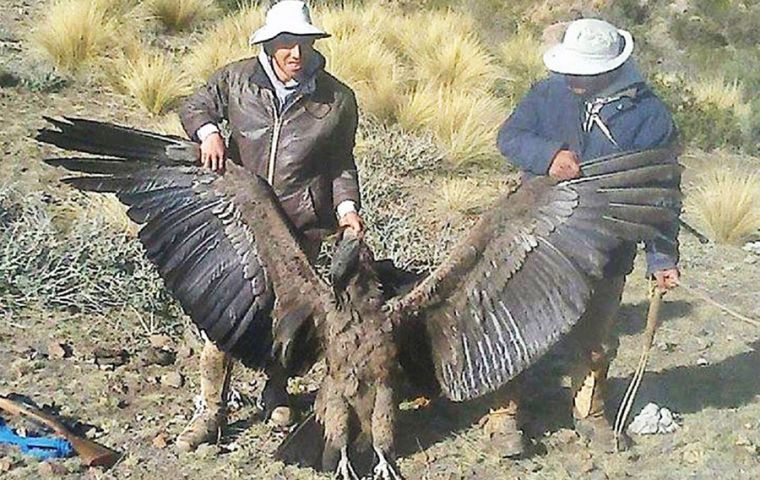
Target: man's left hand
(353,221)
(667,279)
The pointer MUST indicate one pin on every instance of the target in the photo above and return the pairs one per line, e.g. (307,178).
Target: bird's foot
(345,471)
(384,470)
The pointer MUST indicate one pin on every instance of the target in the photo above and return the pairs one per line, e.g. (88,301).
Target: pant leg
(595,346)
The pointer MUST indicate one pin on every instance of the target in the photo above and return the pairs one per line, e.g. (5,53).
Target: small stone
(566,435)
(173,379)
(185,351)
(6,465)
(751,260)
(59,350)
(157,356)
(50,469)
(160,441)
(701,361)
(160,341)
(587,466)
(645,423)
(108,358)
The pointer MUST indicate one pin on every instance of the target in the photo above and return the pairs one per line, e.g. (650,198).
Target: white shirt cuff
(205,131)
(344,207)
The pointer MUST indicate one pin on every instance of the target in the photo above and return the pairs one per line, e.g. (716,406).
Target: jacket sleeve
(345,180)
(519,137)
(656,131)
(207,105)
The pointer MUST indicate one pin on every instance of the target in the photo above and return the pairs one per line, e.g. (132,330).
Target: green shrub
(702,125)
(72,262)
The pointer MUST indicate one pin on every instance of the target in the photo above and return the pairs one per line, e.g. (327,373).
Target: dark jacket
(550,118)
(306,150)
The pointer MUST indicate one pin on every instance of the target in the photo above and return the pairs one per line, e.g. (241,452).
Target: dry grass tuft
(374,74)
(463,124)
(225,42)
(727,95)
(73,33)
(155,82)
(168,124)
(460,63)
(523,64)
(458,197)
(727,203)
(179,15)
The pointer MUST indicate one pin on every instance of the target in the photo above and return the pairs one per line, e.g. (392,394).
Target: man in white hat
(594,103)
(293,124)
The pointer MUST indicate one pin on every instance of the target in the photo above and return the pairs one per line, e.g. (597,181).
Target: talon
(345,470)
(384,470)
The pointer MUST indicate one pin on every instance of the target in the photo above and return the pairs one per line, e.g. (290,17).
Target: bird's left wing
(221,243)
(523,276)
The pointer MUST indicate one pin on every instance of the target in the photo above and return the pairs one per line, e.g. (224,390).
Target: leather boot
(211,406)
(502,428)
(588,410)
(274,401)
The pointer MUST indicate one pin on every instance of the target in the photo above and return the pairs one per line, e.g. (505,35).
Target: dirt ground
(704,367)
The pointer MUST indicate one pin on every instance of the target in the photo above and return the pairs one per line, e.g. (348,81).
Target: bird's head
(352,260)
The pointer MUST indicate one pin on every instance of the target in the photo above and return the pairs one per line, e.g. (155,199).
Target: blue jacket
(551,117)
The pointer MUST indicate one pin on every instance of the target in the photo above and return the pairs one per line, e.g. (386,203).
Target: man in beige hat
(594,103)
(293,124)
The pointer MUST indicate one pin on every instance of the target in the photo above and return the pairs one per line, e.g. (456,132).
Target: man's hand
(212,152)
(667,279)
(565,165)
(353,221)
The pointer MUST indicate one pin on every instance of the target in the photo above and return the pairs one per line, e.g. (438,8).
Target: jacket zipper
(278,117)
(275,140)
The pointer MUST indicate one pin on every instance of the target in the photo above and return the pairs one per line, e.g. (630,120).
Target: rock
(6,464)
(160,341)
(173,379)
(50,469)
(701,361)
(58,350)
(566,435)
(651,420)
(160,441)
(667,423)
(752,247)
(110,358)
(158,356)
(185,351)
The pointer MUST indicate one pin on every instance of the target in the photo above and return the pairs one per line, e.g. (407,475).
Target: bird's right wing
(523,276)
(221,243)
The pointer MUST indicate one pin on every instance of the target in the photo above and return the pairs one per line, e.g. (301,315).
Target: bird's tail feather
(305,445)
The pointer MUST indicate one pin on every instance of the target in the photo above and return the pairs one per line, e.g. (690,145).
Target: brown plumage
(507,292)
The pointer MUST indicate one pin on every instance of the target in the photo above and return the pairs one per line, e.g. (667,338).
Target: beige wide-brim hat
(287,16)
(589,47)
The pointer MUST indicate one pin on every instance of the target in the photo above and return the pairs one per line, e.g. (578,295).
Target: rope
(655,301)
(698,293)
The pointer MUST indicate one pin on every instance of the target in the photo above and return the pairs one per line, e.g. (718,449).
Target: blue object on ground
(38,447)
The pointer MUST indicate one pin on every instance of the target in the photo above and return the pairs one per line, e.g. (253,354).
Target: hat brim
(267,32)
(559,59)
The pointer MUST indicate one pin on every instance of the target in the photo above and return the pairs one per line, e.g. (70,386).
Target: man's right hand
(565,165)
(212,152)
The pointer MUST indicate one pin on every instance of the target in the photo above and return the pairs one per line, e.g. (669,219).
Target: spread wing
(523,276)
(221,243)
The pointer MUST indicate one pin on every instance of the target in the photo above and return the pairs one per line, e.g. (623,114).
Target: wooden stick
(92,453)
(653,314)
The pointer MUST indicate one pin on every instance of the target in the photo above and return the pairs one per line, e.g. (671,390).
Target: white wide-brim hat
(589,47)
(287,16)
